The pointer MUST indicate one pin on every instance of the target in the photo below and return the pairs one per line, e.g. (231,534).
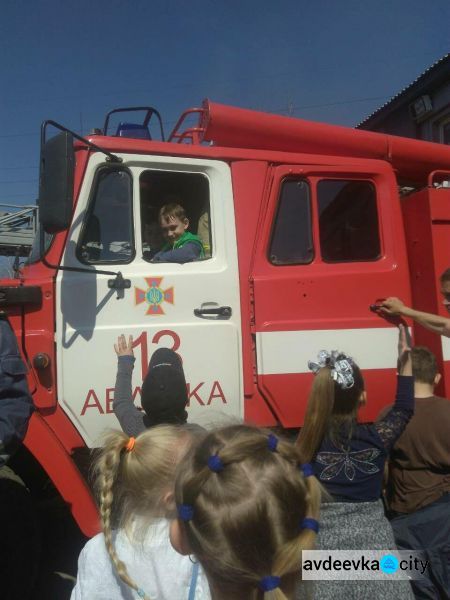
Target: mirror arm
(110,157)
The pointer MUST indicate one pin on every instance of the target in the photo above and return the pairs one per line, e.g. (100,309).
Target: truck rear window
(348,221)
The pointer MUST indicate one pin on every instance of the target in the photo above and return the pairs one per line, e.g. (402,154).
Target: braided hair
(244,504)
(131,481)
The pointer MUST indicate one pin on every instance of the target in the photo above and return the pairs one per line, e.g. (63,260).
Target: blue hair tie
(307,470)
(215,463)
(272,442)
(309,523)
(269,583)
(185,512)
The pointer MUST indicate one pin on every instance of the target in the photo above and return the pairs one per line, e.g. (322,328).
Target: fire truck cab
(304,230)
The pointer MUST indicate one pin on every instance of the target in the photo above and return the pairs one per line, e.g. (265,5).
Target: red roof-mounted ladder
(194,135)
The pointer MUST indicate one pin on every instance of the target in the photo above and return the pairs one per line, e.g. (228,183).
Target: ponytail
(288,559)
(332,404)
(318,415)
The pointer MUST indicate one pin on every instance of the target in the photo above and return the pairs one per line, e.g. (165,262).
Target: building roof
(435,74)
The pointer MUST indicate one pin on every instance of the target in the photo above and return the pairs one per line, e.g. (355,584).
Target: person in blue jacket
(18,527)
(16,405)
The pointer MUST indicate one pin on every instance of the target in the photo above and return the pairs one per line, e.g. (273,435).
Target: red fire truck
(305,225)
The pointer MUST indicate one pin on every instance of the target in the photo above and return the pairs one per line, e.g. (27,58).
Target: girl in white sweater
(133,558)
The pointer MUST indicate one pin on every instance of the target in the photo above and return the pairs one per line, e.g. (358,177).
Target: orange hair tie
(130,444)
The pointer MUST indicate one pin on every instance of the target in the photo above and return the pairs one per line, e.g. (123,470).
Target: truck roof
(243,134)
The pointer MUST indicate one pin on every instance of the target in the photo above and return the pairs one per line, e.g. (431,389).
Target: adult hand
(124,348)
(392,306)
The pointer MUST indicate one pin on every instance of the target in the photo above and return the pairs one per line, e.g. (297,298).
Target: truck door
(192,308)
(332,244)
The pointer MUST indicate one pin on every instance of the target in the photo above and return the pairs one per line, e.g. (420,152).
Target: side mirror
(56,183)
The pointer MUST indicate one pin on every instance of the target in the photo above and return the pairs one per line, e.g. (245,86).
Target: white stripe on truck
(446,348)
(281,352)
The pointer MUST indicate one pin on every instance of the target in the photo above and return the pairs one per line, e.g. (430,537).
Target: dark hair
(445,276)
(164,397)
(246,521)
(424,365)
(331,411)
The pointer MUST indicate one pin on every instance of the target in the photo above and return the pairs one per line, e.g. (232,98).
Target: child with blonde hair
(247,507)
(133,558)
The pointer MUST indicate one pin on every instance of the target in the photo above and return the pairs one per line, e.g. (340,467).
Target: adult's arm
(187,253)
(435,323)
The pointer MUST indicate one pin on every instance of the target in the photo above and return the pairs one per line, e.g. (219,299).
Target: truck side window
(348,221)
(189,190)
(107,235)
(292,242)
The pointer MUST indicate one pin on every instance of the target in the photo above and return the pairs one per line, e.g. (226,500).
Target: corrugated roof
(405,89)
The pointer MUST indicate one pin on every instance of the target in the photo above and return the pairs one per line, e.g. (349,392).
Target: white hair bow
(340,365)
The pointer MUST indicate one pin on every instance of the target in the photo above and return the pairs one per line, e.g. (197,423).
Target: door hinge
(251,295)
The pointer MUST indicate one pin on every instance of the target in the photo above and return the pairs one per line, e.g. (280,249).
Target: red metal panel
(441,245)
(51,454)
(249,178)
(51,436)
(427,224)
(242,128)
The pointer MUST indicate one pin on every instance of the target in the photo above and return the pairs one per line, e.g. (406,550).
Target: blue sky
(332,61)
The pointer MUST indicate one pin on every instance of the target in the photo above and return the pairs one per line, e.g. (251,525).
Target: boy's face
(172,227)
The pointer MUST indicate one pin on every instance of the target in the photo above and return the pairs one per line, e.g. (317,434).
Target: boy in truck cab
(181,245)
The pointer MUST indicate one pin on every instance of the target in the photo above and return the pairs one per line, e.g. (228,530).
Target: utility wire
(292,108)
(14,168)
(20,181)
(23,195)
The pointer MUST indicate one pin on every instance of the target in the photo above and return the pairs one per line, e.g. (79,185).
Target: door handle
(218,312)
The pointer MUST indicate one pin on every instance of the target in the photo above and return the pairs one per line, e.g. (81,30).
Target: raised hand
(124,348)
(404,351)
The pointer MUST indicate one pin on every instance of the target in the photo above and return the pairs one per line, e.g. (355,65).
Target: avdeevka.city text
(363,564)
(329,564)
